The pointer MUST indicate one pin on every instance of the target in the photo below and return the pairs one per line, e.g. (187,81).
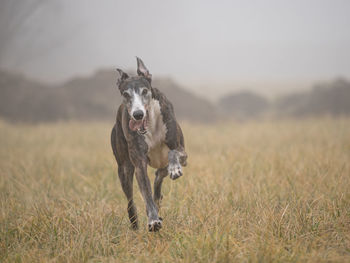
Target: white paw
(175,171)
(155,225)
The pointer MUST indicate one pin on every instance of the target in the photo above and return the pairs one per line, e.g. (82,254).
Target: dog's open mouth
(139,125)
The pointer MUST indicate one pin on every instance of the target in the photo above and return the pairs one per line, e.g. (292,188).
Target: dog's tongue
(135,125)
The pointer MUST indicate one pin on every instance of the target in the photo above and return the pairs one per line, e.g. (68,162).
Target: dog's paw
(175,171)
(155,225)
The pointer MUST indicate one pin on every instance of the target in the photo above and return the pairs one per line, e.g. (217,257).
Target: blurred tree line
(97,98)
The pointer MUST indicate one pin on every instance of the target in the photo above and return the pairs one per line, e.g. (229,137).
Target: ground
(264,191)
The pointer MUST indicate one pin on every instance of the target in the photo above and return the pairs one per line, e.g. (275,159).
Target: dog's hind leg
(157,188)
(126,176)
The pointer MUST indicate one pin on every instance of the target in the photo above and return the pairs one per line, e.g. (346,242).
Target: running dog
(146,133)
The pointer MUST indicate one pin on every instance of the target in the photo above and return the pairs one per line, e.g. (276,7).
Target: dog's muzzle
(139,125)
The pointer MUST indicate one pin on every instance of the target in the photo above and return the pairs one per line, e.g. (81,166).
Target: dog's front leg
(176,158)
(154,222)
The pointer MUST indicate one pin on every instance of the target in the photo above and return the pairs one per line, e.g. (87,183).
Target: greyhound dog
(146,133)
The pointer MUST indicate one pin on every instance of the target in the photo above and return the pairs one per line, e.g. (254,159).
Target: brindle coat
(161,146)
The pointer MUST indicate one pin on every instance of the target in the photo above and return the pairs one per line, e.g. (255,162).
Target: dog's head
(137,94)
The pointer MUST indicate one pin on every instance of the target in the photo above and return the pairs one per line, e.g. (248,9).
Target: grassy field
(252,192)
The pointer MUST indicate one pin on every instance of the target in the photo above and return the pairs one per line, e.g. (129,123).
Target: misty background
(250,59)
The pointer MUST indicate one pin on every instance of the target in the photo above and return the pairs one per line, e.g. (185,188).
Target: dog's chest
(155,137)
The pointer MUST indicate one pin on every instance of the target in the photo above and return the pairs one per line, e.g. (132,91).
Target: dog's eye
(144,92)
(126,95)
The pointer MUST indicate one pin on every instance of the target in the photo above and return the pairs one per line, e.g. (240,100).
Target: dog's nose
(138,115)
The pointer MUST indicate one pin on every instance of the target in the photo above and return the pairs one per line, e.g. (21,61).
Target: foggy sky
(209,46)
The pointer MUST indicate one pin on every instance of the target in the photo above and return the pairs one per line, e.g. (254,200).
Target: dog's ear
(142,70)
(122,76)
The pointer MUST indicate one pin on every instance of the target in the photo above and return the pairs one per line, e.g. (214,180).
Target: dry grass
(252,192)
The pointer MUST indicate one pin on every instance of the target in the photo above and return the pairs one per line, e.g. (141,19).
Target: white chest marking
(155,136)
(156,129)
